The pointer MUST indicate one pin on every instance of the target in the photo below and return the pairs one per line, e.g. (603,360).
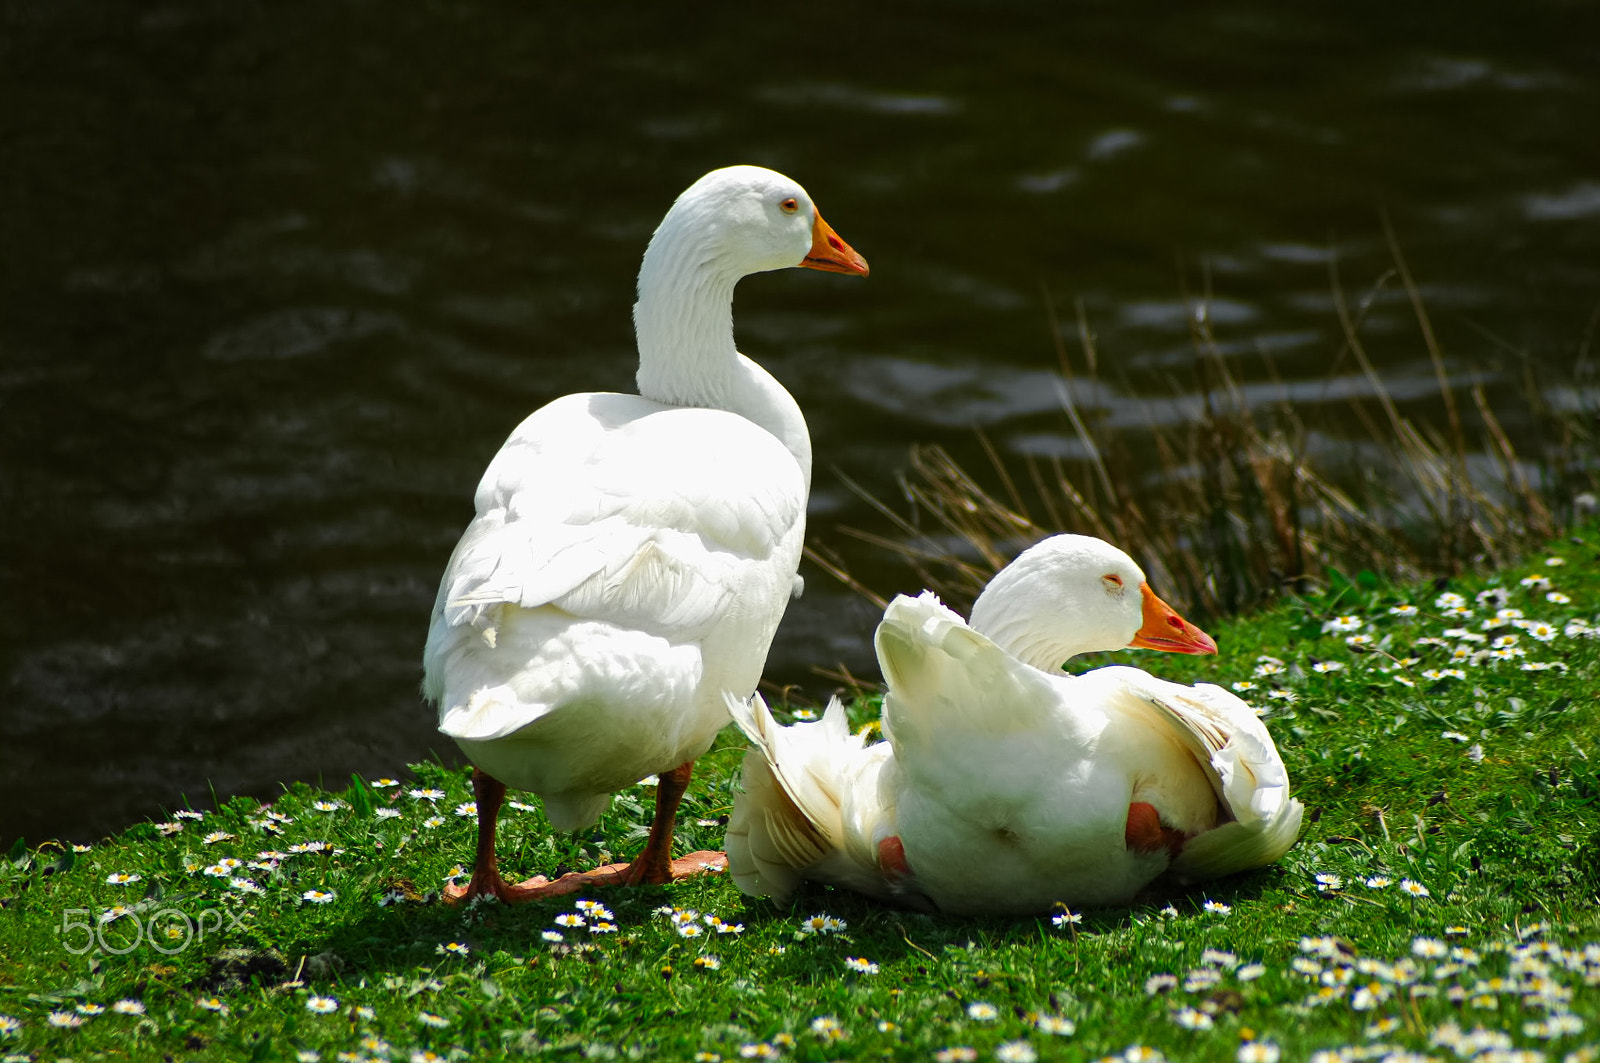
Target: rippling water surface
(277,279)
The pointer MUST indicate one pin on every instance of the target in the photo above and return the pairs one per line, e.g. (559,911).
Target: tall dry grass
(1247,508)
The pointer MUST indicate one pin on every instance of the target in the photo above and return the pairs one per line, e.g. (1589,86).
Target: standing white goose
(632,554)
(1006,786)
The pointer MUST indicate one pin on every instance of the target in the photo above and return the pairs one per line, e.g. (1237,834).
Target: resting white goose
(1006,786)
(632,554)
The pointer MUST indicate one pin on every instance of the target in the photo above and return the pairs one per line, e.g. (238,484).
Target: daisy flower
(211,1004)
(1406,611)
(90,1010)
(1449,600)
(217,836)
(708,962)
(827,1027)
(1016,1052)
(822,924)
(433,821)
(758,1050)
(169,828)
(602,927)
(982,1011)
(128,1007)
(803,715)
(1217,907)
(1429,948)
(453,948)
(1328,666)
(387,813)
(1250,972)
(322,1005)
(1066,917)
(318,896)
(1454,736)
(1540,630)
(1327,880)
(1192,1019)
(327,806)
(689,930)
(115,912)
(1557,598)
(1160,983)
(1414,888)
(427,794)
(1243,685)
(188,813)
(1535,583)
(1055,1024)
(570,919)
(522,806)
(122,878)
(467,809)
(860,965)
(64,1019)
(552,936)
(1343,623)
(10,1026)
(428,1018)
(1258,1052)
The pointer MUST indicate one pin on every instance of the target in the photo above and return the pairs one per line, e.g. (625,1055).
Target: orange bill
(1164,629)
(830,253)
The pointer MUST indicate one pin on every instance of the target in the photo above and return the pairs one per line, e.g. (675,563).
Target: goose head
(1073,594)
(746,219)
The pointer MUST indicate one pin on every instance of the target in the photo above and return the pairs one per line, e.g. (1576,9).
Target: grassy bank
(1441,901)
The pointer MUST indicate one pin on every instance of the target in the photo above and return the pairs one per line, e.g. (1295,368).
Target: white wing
(617,508)
(1232,746)
(809,805)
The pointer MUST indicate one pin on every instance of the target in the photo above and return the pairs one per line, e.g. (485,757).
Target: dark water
(276,280)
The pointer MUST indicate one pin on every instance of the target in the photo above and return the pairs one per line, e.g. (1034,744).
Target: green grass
(1499,821)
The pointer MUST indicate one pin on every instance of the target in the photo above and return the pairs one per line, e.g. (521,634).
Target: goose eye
(789,206)
(1113,581)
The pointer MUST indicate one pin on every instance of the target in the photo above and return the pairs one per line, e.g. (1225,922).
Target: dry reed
(1247,509)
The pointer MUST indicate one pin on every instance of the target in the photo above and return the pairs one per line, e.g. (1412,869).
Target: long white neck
(684,325)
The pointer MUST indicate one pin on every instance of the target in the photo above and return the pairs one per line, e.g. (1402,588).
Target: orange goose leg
(654,865)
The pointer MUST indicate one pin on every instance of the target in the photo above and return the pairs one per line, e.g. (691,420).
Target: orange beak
(1165,630)
(831,254)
